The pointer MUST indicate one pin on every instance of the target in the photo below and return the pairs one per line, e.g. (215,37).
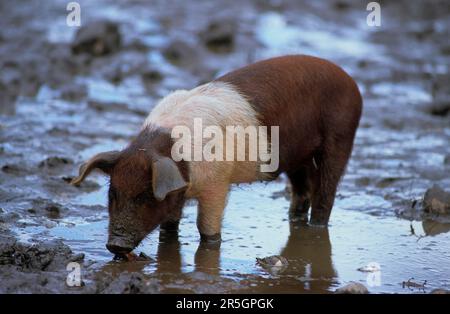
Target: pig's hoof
(316,224)
(298,218)
(319,220)
(210,238)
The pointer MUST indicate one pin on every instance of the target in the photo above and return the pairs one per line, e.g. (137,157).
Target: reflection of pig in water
(310,268)
(317,107)
(311,246)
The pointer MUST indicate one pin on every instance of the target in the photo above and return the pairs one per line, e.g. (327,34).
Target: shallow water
(400,151)
(320,259)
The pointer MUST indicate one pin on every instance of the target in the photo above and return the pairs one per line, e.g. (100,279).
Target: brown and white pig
(317,107)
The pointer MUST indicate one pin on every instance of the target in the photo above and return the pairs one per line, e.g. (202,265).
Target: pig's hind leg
(301,193)
(331,163)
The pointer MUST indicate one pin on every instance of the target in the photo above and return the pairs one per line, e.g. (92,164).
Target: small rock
(352,288)
(53,162)
(151,76)
(53,211)
(433,227)
(77,257)
(97,38)
(132,283)
(440,291)
(436,201)
(180,53)
(46,208)
(274,264)
(219,35)
(41,256)
(272,261)
(14,169)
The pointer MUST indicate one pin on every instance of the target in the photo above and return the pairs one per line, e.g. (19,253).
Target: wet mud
(67,93)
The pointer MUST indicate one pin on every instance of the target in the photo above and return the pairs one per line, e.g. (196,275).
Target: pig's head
(146,189)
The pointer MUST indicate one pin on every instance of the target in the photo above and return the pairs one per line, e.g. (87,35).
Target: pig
(313,102)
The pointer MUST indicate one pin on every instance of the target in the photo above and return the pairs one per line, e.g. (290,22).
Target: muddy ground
(64,98)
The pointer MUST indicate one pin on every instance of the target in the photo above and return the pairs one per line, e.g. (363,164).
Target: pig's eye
(142,198)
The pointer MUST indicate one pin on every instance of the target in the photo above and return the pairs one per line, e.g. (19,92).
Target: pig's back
(307,97)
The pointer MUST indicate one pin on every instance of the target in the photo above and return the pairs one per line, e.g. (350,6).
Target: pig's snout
(119,245)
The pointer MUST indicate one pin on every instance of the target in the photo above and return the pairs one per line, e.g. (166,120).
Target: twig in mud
(413,232)
(411,284)
(413,208)
(410,197)
(411,228)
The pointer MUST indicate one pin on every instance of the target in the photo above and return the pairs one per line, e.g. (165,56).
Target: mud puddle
(59,109)
(320,259)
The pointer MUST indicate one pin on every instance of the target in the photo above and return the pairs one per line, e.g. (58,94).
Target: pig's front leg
(211,203)
(172,223)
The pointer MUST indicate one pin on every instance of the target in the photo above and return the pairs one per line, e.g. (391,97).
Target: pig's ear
(103,161)
(166,178)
